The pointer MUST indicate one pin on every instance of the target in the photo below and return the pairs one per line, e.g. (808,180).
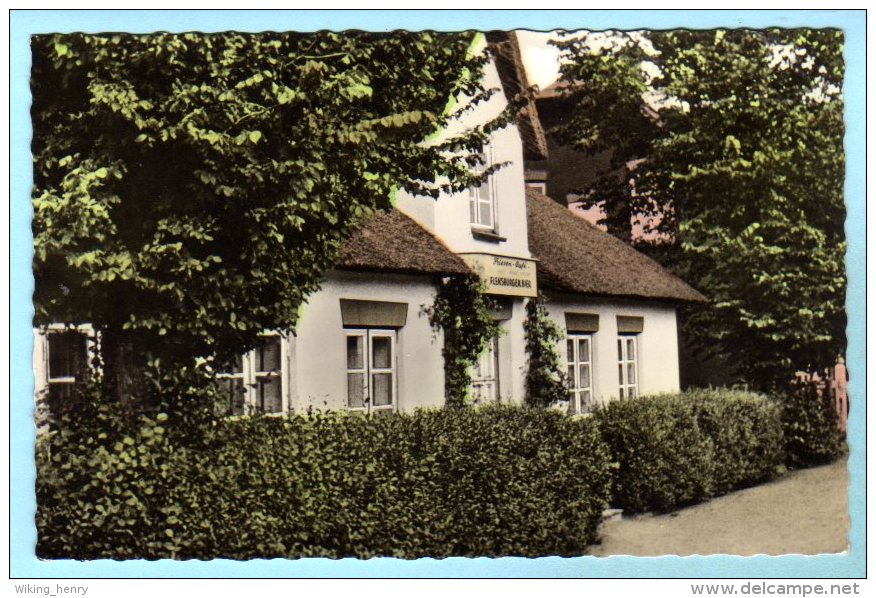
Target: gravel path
(803,512)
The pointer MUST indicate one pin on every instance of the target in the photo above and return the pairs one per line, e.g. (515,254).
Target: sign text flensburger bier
(503,275)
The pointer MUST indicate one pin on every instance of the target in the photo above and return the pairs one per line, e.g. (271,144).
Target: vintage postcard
(402,291)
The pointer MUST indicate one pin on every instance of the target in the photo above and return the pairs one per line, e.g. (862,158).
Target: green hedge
(746,432)
(475,482)
(663,457)
(673,450)
(811,426)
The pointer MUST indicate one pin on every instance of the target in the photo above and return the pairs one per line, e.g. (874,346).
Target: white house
(364,343)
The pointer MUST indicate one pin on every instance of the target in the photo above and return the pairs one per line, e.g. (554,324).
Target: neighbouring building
(566,171)
(364,342)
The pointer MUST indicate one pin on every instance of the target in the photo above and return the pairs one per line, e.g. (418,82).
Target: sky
(539,59)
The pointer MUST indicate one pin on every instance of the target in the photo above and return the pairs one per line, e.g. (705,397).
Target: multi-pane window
(371,370)
(627,373)
(482,199)
(67,364)
(267,375)
(233,387)
(579,367)
(254,382)
(485,374)
(357,372)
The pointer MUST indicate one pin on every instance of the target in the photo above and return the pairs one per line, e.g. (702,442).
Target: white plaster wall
(319,377)
(40,361)
(421,209)
(453,219)
(41,380)
(657,344)
(448,217)
(318,353)
(512,355)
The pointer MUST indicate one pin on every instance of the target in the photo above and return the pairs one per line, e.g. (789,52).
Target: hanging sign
(503,275)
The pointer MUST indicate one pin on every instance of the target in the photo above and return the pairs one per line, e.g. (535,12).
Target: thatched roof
(390,241)
(576,257)
(509,63)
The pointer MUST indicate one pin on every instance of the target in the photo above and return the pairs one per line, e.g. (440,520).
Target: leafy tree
(605,84)
(191,189)
(743,162)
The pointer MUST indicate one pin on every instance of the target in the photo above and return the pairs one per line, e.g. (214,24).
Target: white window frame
(45,380)
(539,186)
(276,375)
(251,378)
(484,195)
(368,369)
(581,399)
(485,374)
(628,388)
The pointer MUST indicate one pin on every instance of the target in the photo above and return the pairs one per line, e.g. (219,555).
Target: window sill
(487,235)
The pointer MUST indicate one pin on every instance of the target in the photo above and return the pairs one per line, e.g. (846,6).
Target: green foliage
(192,188)
(189,394)
(745,432)
(491,481)
(462,312)
(811,426)
(673,450)
(731,143)
(545,381)
(604,115)
(664,458)
(100,485)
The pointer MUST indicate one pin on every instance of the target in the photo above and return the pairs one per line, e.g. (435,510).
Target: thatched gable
(509,64)
(575,256)
(390,241)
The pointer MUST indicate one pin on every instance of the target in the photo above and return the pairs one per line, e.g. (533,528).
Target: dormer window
(536,179)
(539,186)
(482,199)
